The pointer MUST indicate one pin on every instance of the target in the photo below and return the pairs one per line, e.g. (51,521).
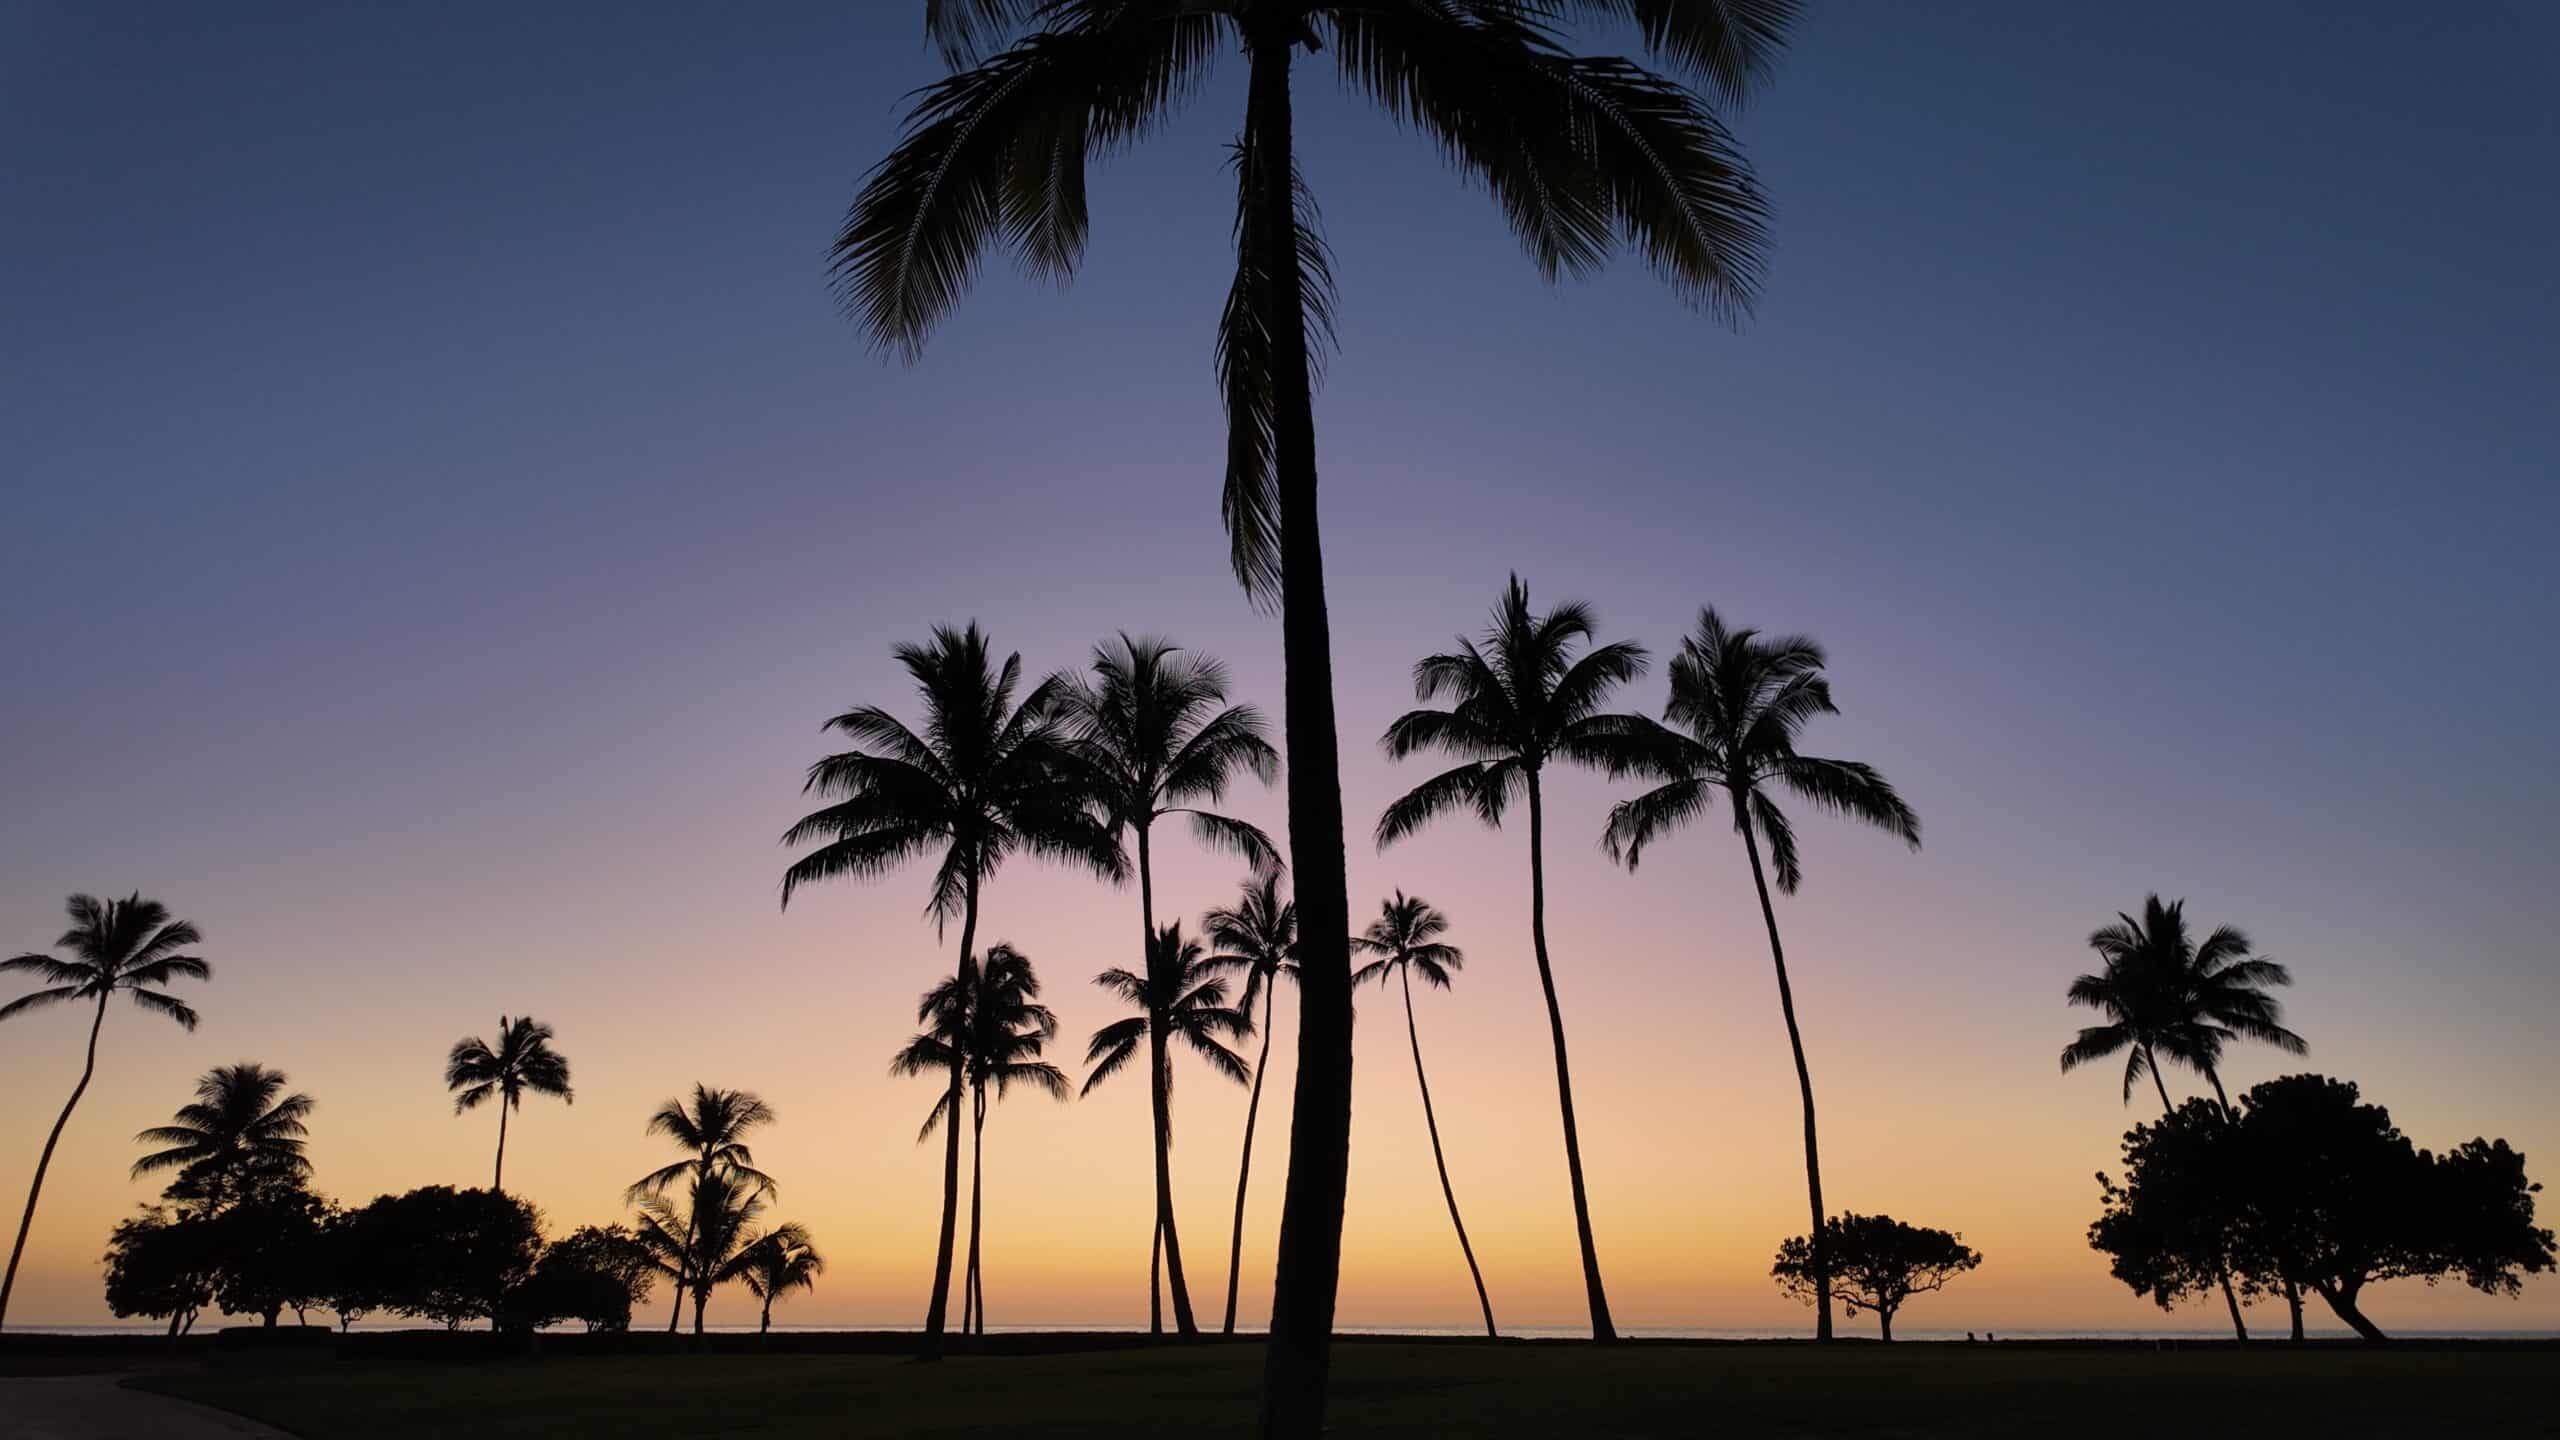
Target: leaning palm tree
(712,1130)
(1258,935)
(1178,998)
(522,1060)
(1740,700)
(1406,939)
(783,1261)
(2166,997)
(123,946)
(1580,152)
(987,778)
(242,1127)
(1529,696)
(714,1242)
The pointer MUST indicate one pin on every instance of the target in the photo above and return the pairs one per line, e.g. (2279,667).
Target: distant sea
(1525,1332)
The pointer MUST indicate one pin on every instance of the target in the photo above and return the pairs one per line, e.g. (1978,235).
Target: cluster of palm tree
(718,1235)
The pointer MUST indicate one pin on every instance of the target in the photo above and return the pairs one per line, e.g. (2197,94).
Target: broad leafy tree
(521,1062)
(1257,938)
(1874,1263)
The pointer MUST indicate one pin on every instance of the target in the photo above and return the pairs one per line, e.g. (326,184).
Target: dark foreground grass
(1907,1392)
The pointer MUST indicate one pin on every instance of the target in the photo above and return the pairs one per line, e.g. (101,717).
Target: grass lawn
(1539,1389)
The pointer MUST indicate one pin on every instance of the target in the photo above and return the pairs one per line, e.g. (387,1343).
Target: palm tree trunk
(973,1305)
(1183,1323)
(937,1311)
(2230,1298)
(1601,1329)
(1430,1123)
(88,1068)
(1244,1167)
(498,1172)
(1804,1076)
(1298,1360)
(1155,1277)
(764,1324)
(684,1260)
(701,1302)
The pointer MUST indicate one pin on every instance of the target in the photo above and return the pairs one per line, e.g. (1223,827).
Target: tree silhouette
(1257,937)
(1579,151)
(715,1241)
(1406,939)
(1178,998)
(1520,701)
(522,1060)
(987,778)
(1874,1262)
(778,1264)
(123,946)
(241,1128)
(1741,700)
(712,1129)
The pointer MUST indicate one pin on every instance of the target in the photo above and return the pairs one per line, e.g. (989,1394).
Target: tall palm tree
(1179,998)
(987,778)
(522,1060)
(999,1032)
(1258,935)
(715,1241)
(1580,151)
(2166,996)
(712,1130)
(1740,700)
(123,946)
(1406,939)
(241,1128)
(780,1263)
(1529,696)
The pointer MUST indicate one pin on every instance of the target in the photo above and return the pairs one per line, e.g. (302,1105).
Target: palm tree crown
(1154,724)
(240,1128)
(711,1129)
(783,1261)
(522,1060)
(1407,934)
(1257,937)
(714,1241)
(126,946)
(997,1029)
(1179,998)
(2167,997)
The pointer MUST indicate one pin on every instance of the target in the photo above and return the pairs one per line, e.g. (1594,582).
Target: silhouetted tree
(269,1252)
(1178,998)
(712,1130)
(1522,700)
(436,1253)
(712,1244)
(1406,938)
(1740,700)
(1258,937)
(993,778)
(522,1060)
(122,946)
(2166,996)
(778,1264)
(593,1275)
(159,1265)
(1874,1262)
(240,1130)
(1580,152)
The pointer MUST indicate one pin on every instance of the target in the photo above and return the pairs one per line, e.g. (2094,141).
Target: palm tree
(1580,151)
(1742,700)
(999,1032)
(241,1128)
(712,1130)
(126,946)
(1520,701)
(1406,938)
(2165,995)
(1258,935)
(522,1060)
(988,777)
(780,1263)
(1179,998)
(716,1239)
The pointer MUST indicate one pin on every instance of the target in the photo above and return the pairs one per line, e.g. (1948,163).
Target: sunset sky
(440,505)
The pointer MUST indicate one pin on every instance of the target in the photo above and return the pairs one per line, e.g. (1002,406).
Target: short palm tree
(1580,151)
(988,777)
(521,1061)
(1178,998)
(714,1241)
(1000,1032)
(127,946)
(1529,696)
(1405,938)
(712,1130)
(783,1261)
(1740,700)
(1257,936)
(2165,996)
(241,1128)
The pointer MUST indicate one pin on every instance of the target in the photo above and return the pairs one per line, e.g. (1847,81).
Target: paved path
(97,1407)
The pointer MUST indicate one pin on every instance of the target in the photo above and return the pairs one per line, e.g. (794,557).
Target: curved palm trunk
(1433,1125)
(938,1310)
(1804,1076)
(88,1068)
(1297,1362)
(1244,1167)
(973,1319)
(1601,1329)
(1183,1322)
(498,1172)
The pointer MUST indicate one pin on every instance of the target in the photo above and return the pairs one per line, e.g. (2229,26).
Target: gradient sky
(440,504)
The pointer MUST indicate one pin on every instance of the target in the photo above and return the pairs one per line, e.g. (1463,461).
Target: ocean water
(1919,1334)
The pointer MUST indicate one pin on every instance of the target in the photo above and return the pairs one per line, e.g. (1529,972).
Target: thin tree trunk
(88,1068)
(701,1302)
(938,1310)
(1429,1122)
(2293,1303)
(1155,1277)
(498,1172)
(1804,1076)
(1601,1328)
(974,1316)
(764,1325)
(1297,1362)
(2343,1301)
(1244,1167)
(2230,1297)
(684,1260)
(1183,1322)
